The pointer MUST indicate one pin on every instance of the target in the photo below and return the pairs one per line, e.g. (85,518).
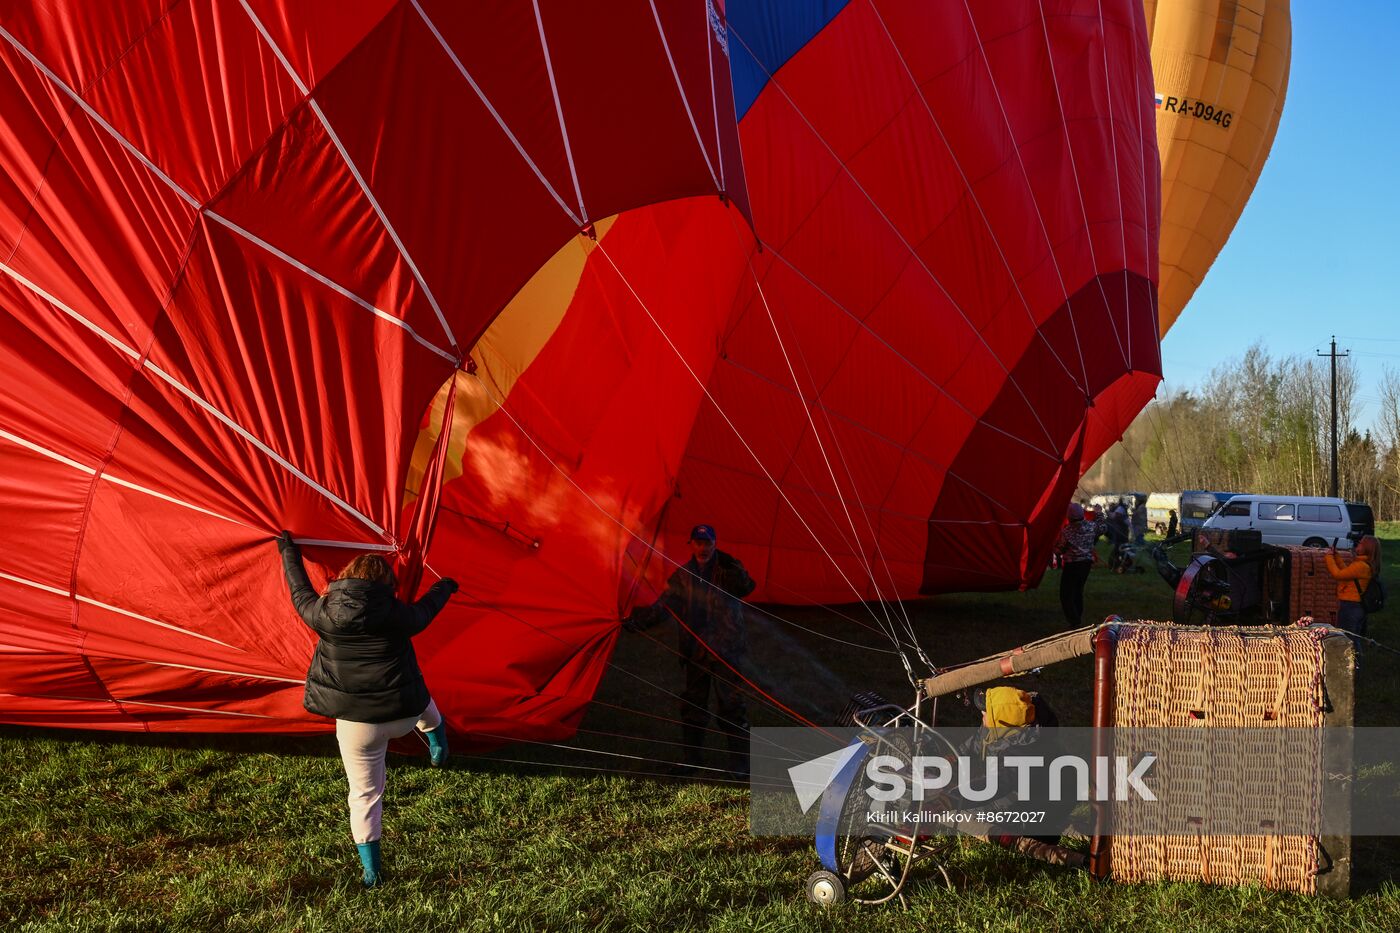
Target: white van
(1312,521)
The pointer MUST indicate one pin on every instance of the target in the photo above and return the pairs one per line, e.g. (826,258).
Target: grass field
(137,833)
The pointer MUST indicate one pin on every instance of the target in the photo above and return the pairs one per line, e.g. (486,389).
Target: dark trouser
(695,713)
(1351,616)
(1072,580)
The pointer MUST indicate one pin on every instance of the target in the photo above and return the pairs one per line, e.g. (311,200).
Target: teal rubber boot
(437,746)
(370,859)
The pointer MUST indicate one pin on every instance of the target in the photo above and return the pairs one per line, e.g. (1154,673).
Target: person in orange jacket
(1352,579)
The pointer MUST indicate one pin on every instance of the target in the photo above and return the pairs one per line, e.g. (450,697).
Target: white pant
(362,748)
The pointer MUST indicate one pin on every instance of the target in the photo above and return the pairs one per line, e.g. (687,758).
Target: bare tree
(1261,423)
(1388,424)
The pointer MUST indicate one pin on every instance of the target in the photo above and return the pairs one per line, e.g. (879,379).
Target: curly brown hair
(372,567)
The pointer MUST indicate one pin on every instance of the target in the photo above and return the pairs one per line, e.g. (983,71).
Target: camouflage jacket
(708,600)
(1076,540)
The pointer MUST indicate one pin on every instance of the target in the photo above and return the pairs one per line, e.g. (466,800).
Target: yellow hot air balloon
(1221,70)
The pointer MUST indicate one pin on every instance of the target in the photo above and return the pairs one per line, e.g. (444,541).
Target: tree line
(1262,424)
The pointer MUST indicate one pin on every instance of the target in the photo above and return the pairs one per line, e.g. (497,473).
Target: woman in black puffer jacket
(365,676)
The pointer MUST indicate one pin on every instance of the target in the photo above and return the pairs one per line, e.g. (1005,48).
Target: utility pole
(1334,354)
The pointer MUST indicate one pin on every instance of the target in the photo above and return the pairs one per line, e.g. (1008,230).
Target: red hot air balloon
(522,292)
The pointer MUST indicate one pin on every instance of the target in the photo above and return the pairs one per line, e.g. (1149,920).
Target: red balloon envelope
(520,293)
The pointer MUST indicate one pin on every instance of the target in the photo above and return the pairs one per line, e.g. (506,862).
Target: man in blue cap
(705,597)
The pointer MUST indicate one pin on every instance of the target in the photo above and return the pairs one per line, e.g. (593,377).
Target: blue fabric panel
(764,34)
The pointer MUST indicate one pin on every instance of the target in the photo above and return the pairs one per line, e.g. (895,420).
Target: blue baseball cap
(702,533)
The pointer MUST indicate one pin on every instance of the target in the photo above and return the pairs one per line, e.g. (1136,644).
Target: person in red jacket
(1352,578)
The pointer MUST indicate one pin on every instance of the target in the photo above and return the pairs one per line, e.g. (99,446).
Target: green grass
(104,832)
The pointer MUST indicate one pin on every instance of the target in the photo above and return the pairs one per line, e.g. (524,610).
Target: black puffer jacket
(364,669)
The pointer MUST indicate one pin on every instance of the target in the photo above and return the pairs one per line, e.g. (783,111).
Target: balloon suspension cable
(502,407)
(666,775)
(613,664)
(774,701)
(717,775)
(908,668)
(724,415)
(595,751)
(512,532)
(627,736)
(1373,643)
(747,687)
(887,625)
(743,684)
(855,542)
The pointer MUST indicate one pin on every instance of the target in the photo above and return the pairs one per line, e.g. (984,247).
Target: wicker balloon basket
(1250,679)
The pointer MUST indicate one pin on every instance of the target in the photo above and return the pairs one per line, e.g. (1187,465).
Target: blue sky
(1317,248)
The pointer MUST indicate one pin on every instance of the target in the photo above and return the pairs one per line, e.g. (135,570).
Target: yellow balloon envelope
(1221,70)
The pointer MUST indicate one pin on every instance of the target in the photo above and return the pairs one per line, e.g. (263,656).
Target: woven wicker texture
(1241,678)
(1312,591)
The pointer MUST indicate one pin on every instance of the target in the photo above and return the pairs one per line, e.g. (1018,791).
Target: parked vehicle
(1110,500)
(1363,520)
(1104,502)
(1160,505)
(1312,521)
(1197,505)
